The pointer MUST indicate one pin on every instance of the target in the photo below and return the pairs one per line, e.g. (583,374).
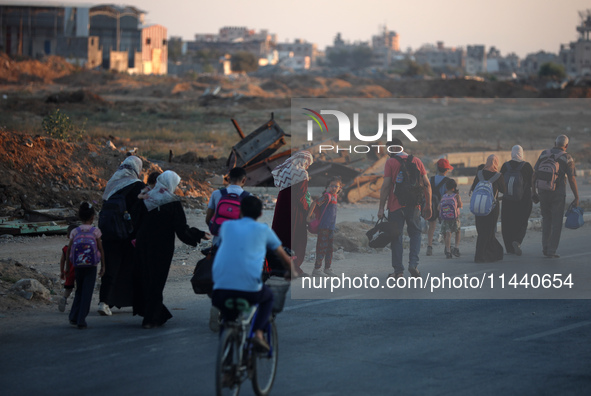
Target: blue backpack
(483,199)
(84,250)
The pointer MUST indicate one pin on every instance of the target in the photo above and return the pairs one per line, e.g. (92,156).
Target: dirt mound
(40,172)
(79,96)
(12,271)
(29,70)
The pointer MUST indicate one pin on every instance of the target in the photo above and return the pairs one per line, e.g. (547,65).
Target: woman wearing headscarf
(117,282)
(291,209)
(517,202)
(158,220)
(488,249)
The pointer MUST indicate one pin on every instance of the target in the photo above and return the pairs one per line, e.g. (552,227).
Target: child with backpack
(325,210)
(224,204)
(449,213)
(85,251)
(437,190)
(67,274)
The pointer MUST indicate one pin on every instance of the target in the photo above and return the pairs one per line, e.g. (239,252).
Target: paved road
(327,347)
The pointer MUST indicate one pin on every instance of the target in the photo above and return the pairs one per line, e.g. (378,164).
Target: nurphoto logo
(391,125)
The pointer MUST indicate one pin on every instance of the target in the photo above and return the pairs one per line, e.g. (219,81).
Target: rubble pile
(38,172)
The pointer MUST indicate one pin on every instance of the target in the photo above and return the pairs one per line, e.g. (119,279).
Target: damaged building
(109,36)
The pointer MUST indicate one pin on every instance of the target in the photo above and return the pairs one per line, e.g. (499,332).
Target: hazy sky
(520,26)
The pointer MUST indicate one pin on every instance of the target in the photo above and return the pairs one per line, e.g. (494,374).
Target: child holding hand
(326,208)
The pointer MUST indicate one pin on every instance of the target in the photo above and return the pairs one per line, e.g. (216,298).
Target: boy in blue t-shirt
(238,264)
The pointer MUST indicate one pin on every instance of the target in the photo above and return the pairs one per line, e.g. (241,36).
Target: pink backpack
(449,207)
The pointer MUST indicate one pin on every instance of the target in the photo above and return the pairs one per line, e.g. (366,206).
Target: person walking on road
(158,221)
(488,248)
(117,281)
(438,188)
(405,182)
(517,203)
(291,208)
(553,168)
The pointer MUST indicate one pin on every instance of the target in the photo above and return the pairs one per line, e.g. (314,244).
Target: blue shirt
(238,264)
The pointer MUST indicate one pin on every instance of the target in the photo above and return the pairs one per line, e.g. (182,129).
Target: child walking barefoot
(327,210)
(449,212)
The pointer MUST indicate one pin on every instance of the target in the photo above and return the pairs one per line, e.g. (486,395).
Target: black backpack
(114,219)
(436,197)
(408,186)
(514,183)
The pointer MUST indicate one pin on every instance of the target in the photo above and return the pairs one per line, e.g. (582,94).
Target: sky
(520,26)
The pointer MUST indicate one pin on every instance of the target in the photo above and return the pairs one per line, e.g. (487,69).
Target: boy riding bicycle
(238,265)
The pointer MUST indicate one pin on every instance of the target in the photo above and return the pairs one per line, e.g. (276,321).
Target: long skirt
(488,249)
(514,220)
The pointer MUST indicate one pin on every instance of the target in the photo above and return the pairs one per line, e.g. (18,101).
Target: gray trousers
(552,206)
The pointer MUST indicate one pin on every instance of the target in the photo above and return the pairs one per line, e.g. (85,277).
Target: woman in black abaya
(159,220)
(515,214)
(488,249)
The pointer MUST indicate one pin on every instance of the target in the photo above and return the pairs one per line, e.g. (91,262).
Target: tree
(552,70)
(243,61)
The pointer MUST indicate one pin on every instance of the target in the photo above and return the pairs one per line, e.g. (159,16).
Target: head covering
(492,163)
(517,153)
(444,164)
(293,170)
(163,191)
(127,173)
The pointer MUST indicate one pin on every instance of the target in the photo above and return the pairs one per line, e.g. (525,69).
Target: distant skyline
(520,26)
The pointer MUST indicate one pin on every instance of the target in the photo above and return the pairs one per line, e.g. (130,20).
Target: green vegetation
(552,70)
(243,61)
(58,125)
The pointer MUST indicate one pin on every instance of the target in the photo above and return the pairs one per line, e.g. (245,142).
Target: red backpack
(228,208)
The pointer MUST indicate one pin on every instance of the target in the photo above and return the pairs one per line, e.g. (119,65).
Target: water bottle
(127,221)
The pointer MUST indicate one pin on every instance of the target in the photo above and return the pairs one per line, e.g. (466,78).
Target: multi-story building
(300,49)
(103,35)
(475,59)
(576,56)
(441,58)
(36,30)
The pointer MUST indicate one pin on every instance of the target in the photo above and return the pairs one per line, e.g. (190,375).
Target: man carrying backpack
(229,198)
(552,169)
(405,185)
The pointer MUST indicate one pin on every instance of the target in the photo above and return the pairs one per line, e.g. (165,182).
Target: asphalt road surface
(329,346)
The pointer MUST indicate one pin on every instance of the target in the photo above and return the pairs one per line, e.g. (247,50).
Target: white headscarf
(293,170)
(517,153)
(163,191)
(127,173)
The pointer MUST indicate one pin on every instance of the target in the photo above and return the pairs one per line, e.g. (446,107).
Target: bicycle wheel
(226,377)
(265,364)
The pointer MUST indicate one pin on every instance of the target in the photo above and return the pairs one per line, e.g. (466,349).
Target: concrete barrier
(470,231)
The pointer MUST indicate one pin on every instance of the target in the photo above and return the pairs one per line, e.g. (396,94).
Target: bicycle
(238,360)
